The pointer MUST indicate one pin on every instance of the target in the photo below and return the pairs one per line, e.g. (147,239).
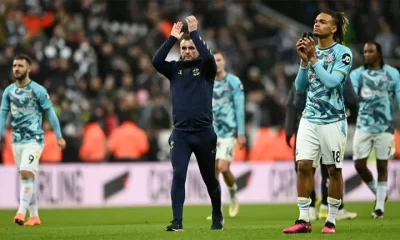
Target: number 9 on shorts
(27,156)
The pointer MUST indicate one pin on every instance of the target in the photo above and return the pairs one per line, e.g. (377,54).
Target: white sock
(312,211)
(333,206)
(381,192)
(323,206)
(304,206)
(33,206)
(372,186)
(340,211)
(232,191)
(25,195)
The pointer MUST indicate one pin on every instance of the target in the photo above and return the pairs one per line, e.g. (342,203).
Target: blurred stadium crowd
(94,57)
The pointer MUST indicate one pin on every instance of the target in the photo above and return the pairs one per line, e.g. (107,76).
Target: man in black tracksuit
(191,83)
(295,106)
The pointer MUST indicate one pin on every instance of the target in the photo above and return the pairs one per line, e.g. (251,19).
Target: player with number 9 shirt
(27,101)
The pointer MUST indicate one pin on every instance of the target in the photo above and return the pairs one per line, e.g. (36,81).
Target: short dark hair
(186,37)
(341,23)
(218,52)
(379,50)
(23,57)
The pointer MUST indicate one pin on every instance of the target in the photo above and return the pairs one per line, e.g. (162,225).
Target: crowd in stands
(94,58)
(369,20)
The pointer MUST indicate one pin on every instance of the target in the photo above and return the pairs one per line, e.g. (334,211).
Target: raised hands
(306,50)
(308,45)
(300,50)
(177,30)
(192,23)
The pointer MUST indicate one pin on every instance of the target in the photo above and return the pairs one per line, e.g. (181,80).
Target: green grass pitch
(253,222)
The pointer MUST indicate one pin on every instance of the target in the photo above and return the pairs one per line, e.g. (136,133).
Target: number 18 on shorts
(327,141)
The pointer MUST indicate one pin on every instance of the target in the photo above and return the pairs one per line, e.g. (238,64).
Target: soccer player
(228,111)
(191,82)
(27,101)
(295,105)
(323,125)
(376,83)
